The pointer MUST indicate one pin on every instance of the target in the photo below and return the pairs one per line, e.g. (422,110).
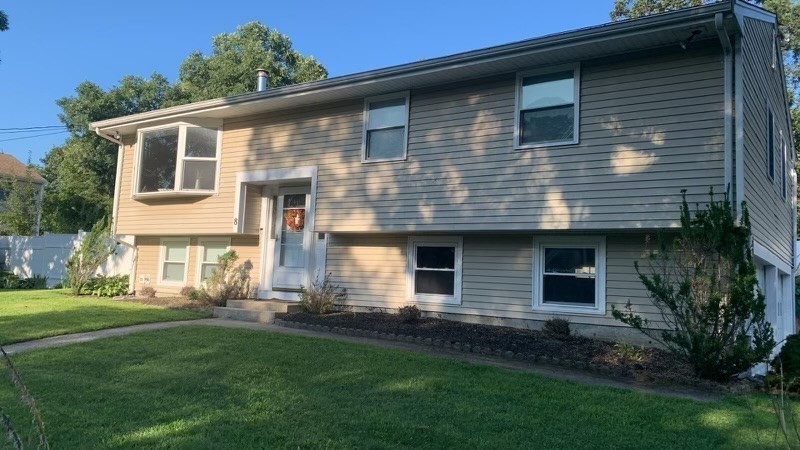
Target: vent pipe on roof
(262,78)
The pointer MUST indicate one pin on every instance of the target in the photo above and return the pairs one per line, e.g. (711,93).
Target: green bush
(788,363)
(322,296)
(409,313)
(147,292)
(103,286)
(8,280)
(227,281)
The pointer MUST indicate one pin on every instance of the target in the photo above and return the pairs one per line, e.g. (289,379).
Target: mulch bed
(648,365)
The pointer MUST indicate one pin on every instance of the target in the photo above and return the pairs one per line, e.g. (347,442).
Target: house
(506,185)
(13,170)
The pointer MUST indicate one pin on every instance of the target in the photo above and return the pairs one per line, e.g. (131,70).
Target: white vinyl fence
(47,255)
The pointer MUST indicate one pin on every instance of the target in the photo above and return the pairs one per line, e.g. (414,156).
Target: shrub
(322,296)
(703,282)
(630,352)
(103,286)
(409,313)
(227,281)
(95,248)
(147,292)
(557,327)
(186,291)
(788,363)
(9,280)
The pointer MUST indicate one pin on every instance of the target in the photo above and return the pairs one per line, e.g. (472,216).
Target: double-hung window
(569,275)
(174,255)
(548,106)
(434,269)
(179,159)
(209,252)
(385,128)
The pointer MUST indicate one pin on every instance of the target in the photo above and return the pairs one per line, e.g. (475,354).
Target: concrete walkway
(540,369)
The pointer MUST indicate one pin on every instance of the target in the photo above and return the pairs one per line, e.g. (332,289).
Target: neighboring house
(506,185)
(12,169)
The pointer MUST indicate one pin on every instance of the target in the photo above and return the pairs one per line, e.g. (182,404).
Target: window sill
(173,194)
(547,145)
(372,161)
(573,310)
(436,299)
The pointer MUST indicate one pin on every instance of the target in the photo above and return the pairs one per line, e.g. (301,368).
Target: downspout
(727,52)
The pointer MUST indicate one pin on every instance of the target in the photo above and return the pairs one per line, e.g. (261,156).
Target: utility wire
(30,131)
(43,127)
(34,136)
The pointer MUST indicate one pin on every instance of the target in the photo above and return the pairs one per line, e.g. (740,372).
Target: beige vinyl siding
(770,214)
(149,254)
(252,217)
(497,276)
(650,126)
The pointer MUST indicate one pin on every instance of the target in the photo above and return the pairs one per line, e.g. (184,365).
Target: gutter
(727,52)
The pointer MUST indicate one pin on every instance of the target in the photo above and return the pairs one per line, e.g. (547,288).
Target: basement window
(174,255)
(434,269)
(178,159)
(569,275)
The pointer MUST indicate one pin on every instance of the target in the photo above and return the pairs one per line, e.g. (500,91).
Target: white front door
(292,238)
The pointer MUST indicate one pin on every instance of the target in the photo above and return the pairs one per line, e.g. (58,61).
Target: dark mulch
(646,363)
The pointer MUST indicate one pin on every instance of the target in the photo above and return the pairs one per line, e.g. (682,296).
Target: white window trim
(445,241)
(365,125)
(770,148)
(784,166)
(178,191)
(161,262)
(201,247)
(518,103)
(596,242)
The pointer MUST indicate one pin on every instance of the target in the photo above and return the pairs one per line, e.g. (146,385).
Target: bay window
(178,159)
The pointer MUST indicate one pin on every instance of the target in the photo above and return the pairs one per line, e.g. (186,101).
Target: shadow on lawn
(207,387)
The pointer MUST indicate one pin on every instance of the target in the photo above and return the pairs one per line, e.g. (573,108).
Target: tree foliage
(231,66)
(81,171)
(704,284)
(3,21)
(19,213)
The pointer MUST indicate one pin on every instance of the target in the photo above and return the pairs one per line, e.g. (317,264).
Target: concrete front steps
(260,311)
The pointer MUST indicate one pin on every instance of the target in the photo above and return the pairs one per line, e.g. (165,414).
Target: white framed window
(208,252)
(385,136)
(569,275)
(178,159)
(434,269)
(770,147)
(548,107)
(173,261)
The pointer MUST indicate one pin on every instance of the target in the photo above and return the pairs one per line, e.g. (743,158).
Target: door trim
(271,179)
(277,224)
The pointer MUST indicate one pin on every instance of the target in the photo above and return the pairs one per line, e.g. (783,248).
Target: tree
(3,21)
(81,172)
(95,248)
(231,66)
(21,206)
(788,14)
(703,282)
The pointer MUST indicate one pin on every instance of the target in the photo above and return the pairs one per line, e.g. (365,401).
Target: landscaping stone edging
(591,367)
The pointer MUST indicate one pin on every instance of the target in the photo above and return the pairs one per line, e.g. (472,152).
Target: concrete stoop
(259,311)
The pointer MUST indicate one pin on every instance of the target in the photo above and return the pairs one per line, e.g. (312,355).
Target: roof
(654,31)
(12,167)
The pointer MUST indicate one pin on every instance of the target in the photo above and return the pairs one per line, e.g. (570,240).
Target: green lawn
(34,314)
(209,387)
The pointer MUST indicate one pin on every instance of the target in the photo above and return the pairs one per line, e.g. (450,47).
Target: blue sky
(54,45)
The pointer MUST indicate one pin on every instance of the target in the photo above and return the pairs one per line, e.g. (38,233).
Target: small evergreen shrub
(788,363)
(409,313)
(147,292)
(322,297)
(95,248)
(557,327)
(703,282)
(8,280)
(107,286)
